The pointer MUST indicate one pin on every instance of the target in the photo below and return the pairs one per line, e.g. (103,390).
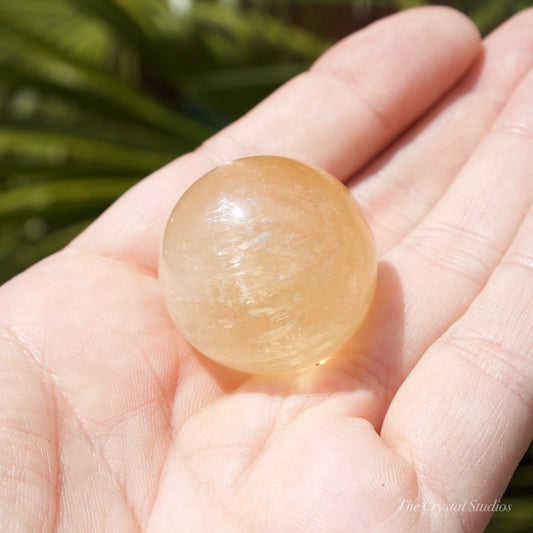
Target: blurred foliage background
(96,94)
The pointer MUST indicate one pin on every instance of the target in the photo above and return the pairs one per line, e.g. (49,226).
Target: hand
(110,421)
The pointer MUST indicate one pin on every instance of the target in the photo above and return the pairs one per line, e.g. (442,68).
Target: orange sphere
(267,265)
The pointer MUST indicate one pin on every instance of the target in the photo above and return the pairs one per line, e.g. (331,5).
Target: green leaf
(61,148)
(24,244)
(39,197)
(26,52)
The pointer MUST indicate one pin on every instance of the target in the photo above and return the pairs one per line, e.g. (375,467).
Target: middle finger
(400,187)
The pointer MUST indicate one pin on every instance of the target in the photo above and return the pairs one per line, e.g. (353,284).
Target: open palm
(110,421)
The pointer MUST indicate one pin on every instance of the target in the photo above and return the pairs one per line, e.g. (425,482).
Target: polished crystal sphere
(267,265)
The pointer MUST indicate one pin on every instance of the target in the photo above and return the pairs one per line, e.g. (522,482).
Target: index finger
(358,97)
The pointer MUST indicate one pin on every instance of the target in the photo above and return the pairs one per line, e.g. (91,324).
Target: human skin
(110,421)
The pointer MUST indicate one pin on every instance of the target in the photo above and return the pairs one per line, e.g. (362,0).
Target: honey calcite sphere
(267,265)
